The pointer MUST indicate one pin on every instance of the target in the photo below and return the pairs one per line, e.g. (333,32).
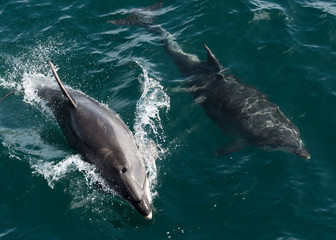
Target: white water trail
(149,134)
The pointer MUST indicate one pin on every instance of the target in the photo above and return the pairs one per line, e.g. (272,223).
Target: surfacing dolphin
(229,103)
(103,139)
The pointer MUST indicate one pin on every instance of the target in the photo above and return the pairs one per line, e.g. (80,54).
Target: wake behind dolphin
(103,139)
(225,100)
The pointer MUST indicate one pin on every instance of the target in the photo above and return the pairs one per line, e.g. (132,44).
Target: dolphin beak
(144,207)
(149,216)
(137,196)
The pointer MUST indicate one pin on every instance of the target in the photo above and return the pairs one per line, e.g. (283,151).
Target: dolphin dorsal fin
(212,62)
(64,90)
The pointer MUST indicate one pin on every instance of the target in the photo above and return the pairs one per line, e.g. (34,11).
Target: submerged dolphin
(103,139)
(229,103)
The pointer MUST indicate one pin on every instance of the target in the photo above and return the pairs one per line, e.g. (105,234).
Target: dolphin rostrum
(229,103)
(103,139)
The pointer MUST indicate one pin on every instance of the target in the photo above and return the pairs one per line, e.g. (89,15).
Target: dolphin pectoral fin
(138,17)
(61,85)
(212,62)
(234,146)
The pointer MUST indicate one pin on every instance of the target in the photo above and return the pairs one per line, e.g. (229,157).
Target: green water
(286,49)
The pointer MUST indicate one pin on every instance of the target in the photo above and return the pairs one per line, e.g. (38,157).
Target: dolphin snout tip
(144,207)
(149,216)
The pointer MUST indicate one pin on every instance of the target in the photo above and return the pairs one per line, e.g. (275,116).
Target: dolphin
(102,139)
(236,108)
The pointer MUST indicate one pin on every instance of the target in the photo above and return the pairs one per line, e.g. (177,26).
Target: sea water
(285,49)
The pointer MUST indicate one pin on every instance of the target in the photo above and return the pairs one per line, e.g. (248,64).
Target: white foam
(148,125)
(54,171)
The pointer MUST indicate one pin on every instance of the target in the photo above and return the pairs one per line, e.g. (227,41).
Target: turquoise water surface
(286,49)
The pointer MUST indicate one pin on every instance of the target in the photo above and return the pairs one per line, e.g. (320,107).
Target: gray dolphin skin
(103,139)
(230,104)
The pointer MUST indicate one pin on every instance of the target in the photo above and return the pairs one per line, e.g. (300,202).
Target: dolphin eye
(123,170)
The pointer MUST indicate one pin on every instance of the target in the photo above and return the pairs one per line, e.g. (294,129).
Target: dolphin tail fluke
(61,85)
(140,17)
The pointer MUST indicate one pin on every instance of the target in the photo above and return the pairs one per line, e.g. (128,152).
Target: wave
(324,6)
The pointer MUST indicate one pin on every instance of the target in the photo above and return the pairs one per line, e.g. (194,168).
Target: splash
(54,171)
(54,164)
(25,75)
(148,125)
